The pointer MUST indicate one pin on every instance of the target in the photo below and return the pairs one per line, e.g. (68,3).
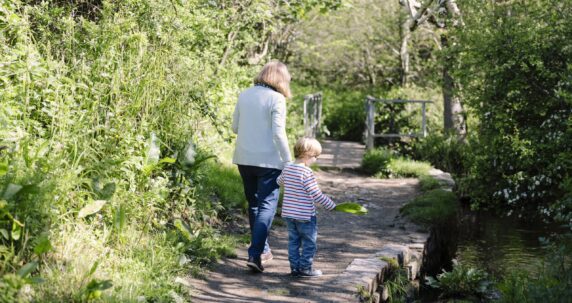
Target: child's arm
(280,179)
(311,187)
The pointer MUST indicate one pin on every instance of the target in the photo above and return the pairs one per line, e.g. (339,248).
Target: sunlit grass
(431,208)
(406,168)
(141,265)
(224,181)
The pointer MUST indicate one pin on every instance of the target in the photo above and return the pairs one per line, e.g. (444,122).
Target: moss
(391,261)
(432,208)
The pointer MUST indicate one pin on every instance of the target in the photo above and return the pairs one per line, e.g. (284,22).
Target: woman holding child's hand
(261,152)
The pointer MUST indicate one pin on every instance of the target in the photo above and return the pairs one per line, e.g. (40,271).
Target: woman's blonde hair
(307,147)
(275,74)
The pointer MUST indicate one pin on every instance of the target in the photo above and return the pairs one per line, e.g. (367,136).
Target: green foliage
(406,168)
(358,46)
(443,152)
(428,183)
(515,70)
(462,281)
(344,111)
(383,163)
(397,285)
(376,161)
(108,112)
(393,264)
(223,181)
(434,207)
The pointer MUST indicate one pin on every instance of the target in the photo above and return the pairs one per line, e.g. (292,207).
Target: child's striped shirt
(301,191)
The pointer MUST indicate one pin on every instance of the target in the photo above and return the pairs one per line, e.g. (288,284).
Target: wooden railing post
(312,115)
(370,123)
(423,121)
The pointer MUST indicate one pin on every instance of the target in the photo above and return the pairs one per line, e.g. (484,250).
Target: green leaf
(168,160)
(184,229)
(11,190)
(16,231)
(119,218)
(93,268)
(107,191)
(5,233)
(44,245)
(27,269)
(3,168)
(35,280)
(91,208)
(352,208)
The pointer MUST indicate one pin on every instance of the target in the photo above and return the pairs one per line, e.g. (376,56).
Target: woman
(261,152)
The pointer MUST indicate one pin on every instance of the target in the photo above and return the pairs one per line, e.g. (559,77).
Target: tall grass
(99,108)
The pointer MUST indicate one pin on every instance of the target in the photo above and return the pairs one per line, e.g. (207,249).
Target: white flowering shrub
(515,70)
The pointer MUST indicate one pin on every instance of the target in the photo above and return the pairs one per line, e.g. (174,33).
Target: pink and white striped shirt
(301,191)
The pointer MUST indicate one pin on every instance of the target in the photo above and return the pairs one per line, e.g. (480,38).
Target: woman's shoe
(255,264)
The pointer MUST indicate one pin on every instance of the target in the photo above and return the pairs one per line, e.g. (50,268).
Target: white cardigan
(260,121)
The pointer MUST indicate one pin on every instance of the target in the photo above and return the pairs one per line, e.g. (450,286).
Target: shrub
(431,208)
(462,281)
(405,168)
(443,152)
(515,79)
(427,183)
(376,161)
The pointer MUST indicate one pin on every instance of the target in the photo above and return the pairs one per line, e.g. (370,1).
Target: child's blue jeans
(302,235)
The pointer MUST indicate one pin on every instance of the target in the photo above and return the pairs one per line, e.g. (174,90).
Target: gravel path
(341,238)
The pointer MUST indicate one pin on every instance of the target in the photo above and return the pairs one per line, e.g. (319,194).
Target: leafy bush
(376,161)
(462,281)
(443,152)
(383,163)
(431,208)
(406,168)
(98,104)
(428,183)
(515,70)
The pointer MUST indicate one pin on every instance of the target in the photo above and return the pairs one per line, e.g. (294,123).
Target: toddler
(301,192)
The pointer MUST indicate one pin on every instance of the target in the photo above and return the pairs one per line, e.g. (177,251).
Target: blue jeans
(262,192)
(302,234)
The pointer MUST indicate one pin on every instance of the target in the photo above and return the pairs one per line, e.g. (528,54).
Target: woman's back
(259,120)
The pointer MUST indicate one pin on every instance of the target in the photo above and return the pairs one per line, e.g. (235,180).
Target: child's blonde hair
(275,74)
(305,147)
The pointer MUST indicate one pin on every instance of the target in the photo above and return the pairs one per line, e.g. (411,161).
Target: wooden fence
(370,120)
(312,115)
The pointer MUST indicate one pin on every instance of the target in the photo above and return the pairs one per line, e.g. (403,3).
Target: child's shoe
(265,257)
(310,273)
(294,273)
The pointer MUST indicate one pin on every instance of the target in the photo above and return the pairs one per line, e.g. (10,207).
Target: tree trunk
(453,113)
(404,50)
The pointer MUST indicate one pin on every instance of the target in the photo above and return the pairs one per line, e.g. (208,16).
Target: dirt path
(341,238)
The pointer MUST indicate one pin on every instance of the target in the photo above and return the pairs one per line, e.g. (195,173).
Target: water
(502,245)
(499,246)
